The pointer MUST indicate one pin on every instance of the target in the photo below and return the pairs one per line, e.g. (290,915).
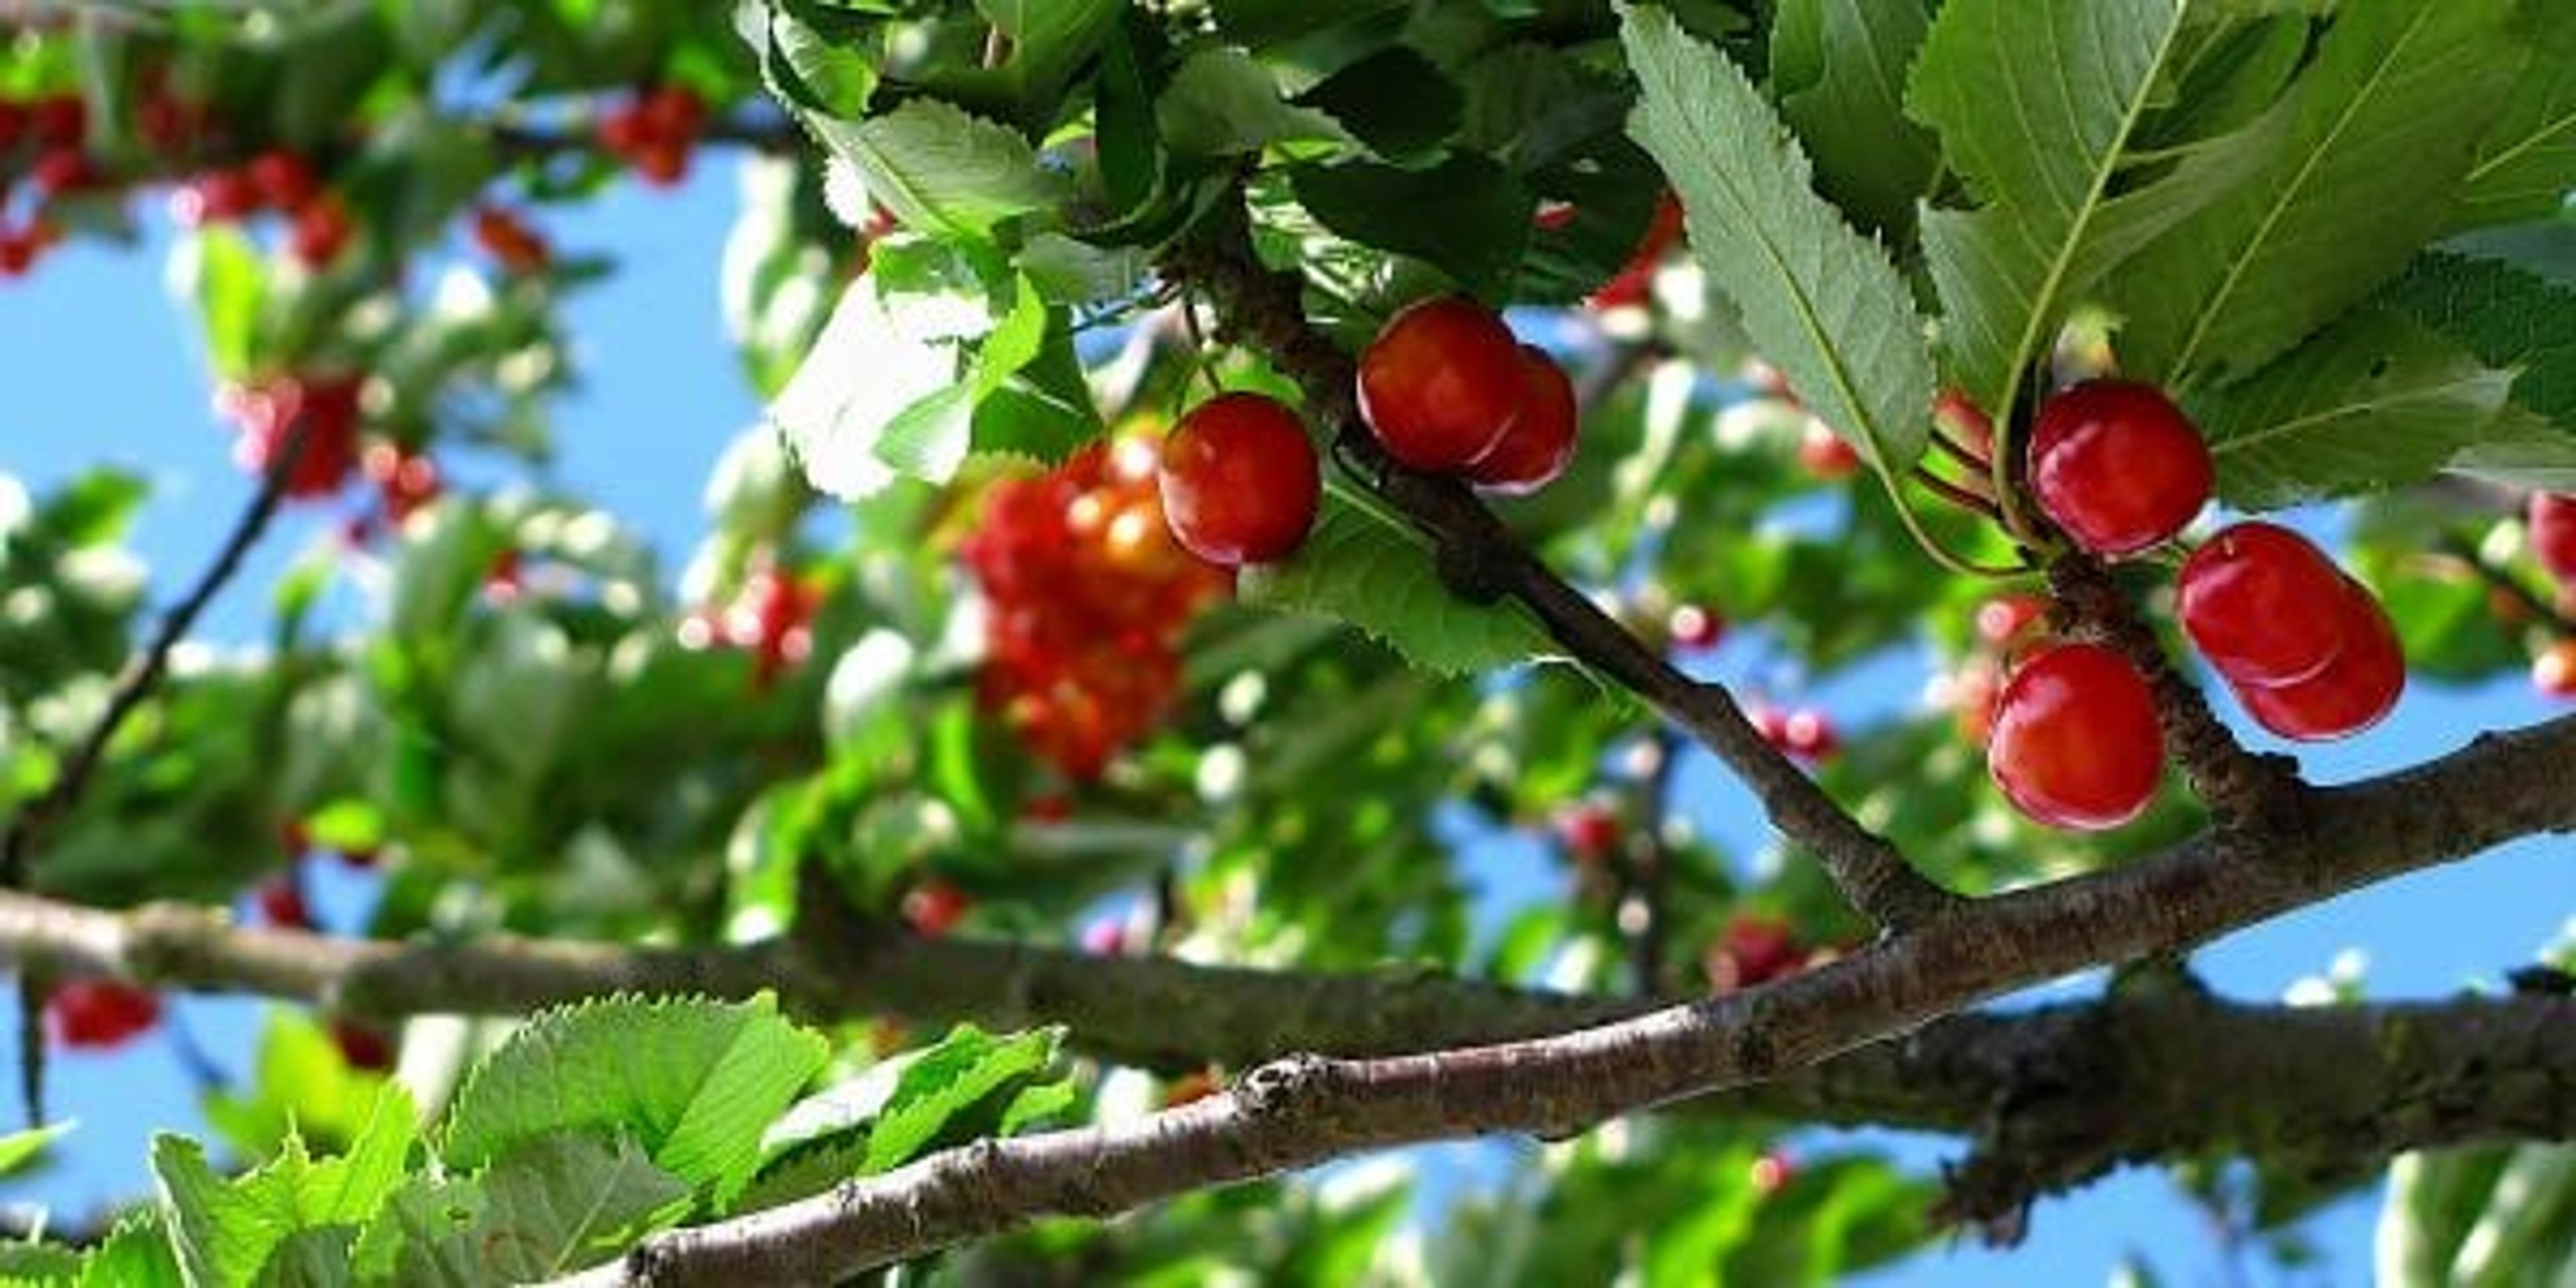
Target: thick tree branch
(1264,308)
(1305,1110)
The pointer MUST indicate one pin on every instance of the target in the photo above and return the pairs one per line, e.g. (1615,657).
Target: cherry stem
(1932,546)
(1964,496)
(2502,580)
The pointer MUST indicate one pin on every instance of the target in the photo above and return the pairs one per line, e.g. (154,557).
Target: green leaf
(2527,162)
(1394,100)
(544,1209)
(1357,568)
(225,1230)
(968,1068)
(300,1085)
(1823,303)
(2037,104)
(1838,68)
(719,1072)
(1259,23)
(137,1254)
(1222,102)
(1049,40)
(823,65)
(2509,318)
(863,372)
(231,288)
(21,1149)
(942,171)
(2377,402)
(2368,148)
(1466,216)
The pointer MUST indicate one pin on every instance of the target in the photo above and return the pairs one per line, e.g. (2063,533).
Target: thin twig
(2503,581)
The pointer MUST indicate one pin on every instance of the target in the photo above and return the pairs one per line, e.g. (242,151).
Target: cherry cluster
(654,132)
(2307,649)
(42,139)
(1089,593)
(1448,390)
(317,218)
(269,414)
(771,616)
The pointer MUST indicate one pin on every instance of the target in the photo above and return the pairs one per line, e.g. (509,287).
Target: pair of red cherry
(2307,649)
(1446,389)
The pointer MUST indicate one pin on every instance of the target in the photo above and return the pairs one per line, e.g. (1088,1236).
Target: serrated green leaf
(225,1230)
(2527,162)
(1221,102)
(967,1068)
(31,1264)
(719,1072)
(1395,101)
(2037,105)
(137,1254)
(1466,216)
(941,170)
(1530,106)
(822,68)
(299,1084)
(1838,68)
(2369,147)
(544,1209)
(1356,568)
(2374,403)
(2509,318)
(1823,303)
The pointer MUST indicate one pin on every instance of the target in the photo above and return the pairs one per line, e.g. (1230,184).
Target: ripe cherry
(2553,534)
(1809,735)
(1824,454)
(1588,830)
(1636,279)
(2075,743)
(60,171)
(2554,671)
(1238,479)
(1696,627)
(282,905)
(1753,950)
(268,414)
(59,120)
(1535,450)
(362,1047)
(2118,466)
(2002,620)
(13,122)
(934,907)
(322,230)
(1441,383)
(218,196)
(99,1014)
(285,180)
(406,480)
(2263,605)
(2352,693)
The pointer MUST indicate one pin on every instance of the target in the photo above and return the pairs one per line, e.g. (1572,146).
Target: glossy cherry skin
(2262,604)
(2075,743)
(1696,627)
(1238,479)
(2352,693)
(2002,620)
(2554,671)
(1540,442)
(1588,830)
(2553,534)
(1441,384)
(2118,466)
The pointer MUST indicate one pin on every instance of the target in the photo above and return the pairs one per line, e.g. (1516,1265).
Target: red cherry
(218,196)
(663,165)
(1971,694)
(1696,627)
(1636,279)
(99,1014)
(2263,605)
(1772,1173)
(63,170)
(674,113)
(17,254)
(322,230)
(282,905)
(1441,384)
(2002,619)
(1540,441)
(59,121)
(1824,454)
(1809,735)
(362,1047)
(2075,743)
(268,415)
(1753,950)
(2553,534)
(1238,480)
(2554,671)
(285,180)
(2118,466)
(2352,693)
(406,480)
(934,907)
(13,122)
(1588,830)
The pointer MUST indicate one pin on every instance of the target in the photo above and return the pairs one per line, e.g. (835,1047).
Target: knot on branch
(2241,789)
(1275,1089)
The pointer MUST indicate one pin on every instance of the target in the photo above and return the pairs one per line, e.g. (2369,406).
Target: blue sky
(99,366)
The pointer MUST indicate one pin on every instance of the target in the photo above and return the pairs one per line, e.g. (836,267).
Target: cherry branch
(1264,308)
(1304,1110)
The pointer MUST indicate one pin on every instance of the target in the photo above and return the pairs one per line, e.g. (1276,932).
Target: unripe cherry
(2262,604)
(1825,455)
(1239,482)
(2075,743)
(2118,466)
(1441,383)
(2352,693)
(1540,441)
